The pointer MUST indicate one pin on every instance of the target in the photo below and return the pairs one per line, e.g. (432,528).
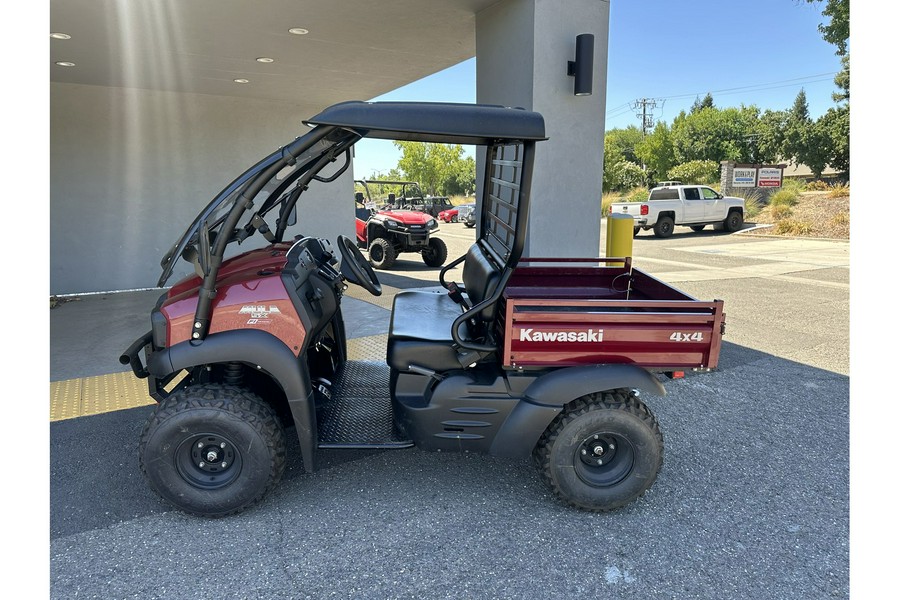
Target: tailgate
(661,335)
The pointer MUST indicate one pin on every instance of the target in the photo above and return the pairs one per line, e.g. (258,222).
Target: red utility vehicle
(528,357)
(388,232)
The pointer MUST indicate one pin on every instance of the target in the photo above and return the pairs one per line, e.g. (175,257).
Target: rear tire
(602,452)
(454,219)
(382,254)
(436,252)
(664,227)
(197,430)
(734,221)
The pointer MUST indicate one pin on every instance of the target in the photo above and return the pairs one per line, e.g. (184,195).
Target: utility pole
(644,109)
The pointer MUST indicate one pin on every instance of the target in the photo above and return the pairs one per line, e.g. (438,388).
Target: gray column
(523,48)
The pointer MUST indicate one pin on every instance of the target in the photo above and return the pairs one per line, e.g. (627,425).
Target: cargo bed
(569,314)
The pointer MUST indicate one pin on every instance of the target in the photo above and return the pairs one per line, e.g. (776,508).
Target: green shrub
(784,197)
(781,211)
(792,227)
(695,171)
(793,185)
(638,194)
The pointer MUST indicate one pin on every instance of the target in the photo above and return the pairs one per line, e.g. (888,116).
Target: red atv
(388,232)
(527,358)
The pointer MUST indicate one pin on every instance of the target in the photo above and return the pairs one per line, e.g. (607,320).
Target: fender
(545,397)
(560,387)
(265,352)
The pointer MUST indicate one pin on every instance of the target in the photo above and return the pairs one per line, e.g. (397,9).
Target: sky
(761,52)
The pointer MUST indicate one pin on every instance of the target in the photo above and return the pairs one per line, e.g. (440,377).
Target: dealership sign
(744,177)
(769,177)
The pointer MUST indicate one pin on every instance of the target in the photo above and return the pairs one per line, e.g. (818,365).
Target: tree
(836,125)
(657,152)
(625,141)
(695,171)
(837,30)
(432,165)
(715,134)
(699,105)
(842,80)
(770,136)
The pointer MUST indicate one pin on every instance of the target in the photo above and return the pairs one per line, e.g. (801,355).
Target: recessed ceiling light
(65,63)
(61,36)
(242,81)
(265,59)
(298,31)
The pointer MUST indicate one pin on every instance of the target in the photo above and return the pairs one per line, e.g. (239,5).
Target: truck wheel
(602,452)
(470,225)
(436,252)
(734,221)
(212,450)
(664,227)
(454,219)
(697,227)
(382,254)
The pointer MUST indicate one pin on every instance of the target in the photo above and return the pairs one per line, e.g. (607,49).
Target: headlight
(391,223)
(431,224)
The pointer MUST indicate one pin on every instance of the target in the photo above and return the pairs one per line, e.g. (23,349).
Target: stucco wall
(130,169)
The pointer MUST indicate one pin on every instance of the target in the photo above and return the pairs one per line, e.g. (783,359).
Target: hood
(407,217)
(270,258)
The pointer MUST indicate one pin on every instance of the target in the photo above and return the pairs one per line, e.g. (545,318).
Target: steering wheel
(360,271)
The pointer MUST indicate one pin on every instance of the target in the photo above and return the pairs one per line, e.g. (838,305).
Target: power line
(773,85)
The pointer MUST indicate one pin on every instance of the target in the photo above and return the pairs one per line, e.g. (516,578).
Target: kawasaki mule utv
(535,357)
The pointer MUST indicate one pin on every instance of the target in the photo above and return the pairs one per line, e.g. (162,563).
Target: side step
(359,413)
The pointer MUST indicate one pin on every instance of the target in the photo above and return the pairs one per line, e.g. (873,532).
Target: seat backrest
(480,278)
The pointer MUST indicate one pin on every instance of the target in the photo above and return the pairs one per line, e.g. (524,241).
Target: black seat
(420,332)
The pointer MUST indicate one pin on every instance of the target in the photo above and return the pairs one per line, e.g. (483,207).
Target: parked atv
(387,233)
(526,358)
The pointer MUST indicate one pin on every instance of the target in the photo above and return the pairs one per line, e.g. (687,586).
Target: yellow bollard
(619,237)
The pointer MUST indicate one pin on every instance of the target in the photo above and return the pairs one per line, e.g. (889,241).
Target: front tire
(436,252)
(734,221)
(212,450)
(382,254)
(664,227)
(602,452)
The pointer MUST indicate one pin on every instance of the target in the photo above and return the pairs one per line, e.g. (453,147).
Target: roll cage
(508,134)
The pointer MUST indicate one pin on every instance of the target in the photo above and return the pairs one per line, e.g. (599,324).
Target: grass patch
(842,219)
(781,211)
(638,194)
(793,227)
(607,199)
(793,185)
(817,186)
(838,191)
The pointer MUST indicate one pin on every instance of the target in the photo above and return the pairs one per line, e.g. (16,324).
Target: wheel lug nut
(199,444)
(596,437)
(224,464)
(612,446)
(599,461)
(202,464)
(222,445)
(583,451)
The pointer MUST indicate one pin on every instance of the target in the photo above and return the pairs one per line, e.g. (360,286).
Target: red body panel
(407,217)
(250,295)
(580,316)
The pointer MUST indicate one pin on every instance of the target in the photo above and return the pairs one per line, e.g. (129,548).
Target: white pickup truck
(693,205)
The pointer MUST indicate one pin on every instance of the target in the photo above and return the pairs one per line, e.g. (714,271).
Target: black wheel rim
(208,461)
(376,253)
(603,459)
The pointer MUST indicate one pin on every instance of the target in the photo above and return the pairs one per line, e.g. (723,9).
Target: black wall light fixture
(582,68)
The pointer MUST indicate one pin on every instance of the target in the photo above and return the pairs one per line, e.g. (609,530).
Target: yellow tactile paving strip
(106,393)
(95,395)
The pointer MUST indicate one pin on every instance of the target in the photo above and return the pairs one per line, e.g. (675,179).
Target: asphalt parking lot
(752,501)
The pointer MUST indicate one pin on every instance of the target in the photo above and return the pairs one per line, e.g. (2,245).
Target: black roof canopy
(440,122)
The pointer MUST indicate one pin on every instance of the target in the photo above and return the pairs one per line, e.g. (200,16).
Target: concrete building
(156,106)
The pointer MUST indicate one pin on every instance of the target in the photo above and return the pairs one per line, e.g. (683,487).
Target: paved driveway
(752,500)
